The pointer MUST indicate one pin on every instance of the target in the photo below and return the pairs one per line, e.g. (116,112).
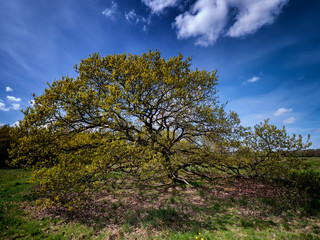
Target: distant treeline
(309,153)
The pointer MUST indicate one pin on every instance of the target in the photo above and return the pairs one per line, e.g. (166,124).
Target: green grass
(14,191)
(15,223)
(314,162)
(181,214)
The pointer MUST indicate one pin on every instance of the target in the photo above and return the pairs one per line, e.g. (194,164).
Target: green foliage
(143,116)
(265,152)
(274,152)
(307,180)
(35,147)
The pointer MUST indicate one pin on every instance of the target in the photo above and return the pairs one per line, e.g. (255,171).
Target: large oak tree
(155,119)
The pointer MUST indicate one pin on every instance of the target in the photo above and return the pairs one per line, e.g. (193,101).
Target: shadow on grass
(183,209)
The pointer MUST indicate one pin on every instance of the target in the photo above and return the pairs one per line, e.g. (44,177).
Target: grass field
(314,162)
(234,210)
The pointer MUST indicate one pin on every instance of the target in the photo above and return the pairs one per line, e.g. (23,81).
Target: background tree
(310,153)
(5,145)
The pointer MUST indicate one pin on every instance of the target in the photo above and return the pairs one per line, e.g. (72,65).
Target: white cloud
(112,11)
(282,111)
(3,107)
(15,124)
(253,79)
(207,20)
(157,6)
(15,106)
(289,120)
(9,89)
(13,99)
(253,15)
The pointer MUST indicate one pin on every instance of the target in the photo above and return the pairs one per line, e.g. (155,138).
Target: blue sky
(267,52)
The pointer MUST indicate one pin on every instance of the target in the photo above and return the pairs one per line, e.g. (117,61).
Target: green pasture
(314,162)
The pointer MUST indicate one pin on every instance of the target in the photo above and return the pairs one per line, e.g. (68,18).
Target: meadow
(314,162)
(235,209)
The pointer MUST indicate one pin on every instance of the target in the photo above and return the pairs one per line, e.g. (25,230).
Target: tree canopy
(142,116)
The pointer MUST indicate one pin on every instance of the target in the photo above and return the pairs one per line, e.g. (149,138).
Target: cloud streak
(317,130)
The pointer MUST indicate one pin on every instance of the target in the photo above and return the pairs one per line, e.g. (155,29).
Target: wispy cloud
(158,6)
(304,58)
(317,130)
(19,58)
(9,89)
(289,120)
(132,17)
(207,20)
(253,79)
(111,11)
(3,107)
(282,111)
(13,99)
(137,20)
(15,106)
